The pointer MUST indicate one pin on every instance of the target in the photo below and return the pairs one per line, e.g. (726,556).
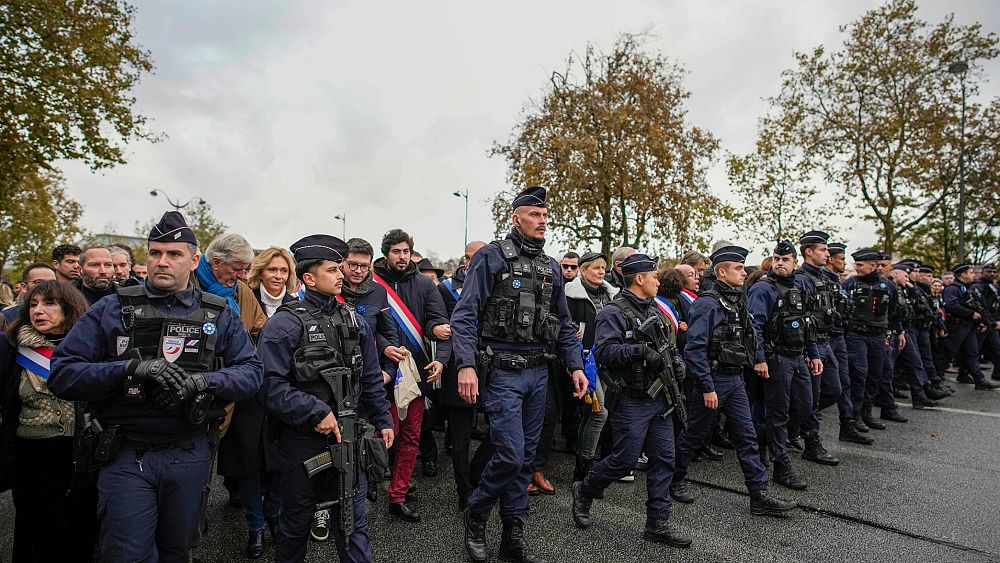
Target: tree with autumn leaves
(611,141)
(878,122)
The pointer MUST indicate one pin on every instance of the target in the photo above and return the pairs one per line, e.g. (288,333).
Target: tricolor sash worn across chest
(456,293)
(35,360)
(688,295)
(406,320)
(667,308)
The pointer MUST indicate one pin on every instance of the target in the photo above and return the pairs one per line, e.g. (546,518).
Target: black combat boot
(892,415)
(763,503)
(664,531)
(866,416)
(985,385)
(475,535)
(785,476)
(860,425)
(849,433)
(581,506)
(679,491)
(513,547)
(816,453)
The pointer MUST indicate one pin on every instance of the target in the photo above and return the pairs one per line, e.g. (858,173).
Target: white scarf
(271,304)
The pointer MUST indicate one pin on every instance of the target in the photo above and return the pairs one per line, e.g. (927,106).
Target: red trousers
(408,444)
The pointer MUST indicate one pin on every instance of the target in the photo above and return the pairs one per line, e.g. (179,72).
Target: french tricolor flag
(35,360)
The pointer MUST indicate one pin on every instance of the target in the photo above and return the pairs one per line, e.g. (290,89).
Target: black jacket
(582,308)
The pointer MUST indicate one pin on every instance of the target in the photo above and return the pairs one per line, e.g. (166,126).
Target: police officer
(782,322)
(964,317)
(908,357)
(148,361)
(835,384)
(511,315)
(720,347)
(869,304)
(320,359)
(638,422)
(989,295)
(926,317)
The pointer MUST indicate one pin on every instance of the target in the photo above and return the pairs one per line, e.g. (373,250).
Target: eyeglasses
(355,267)
(569,266)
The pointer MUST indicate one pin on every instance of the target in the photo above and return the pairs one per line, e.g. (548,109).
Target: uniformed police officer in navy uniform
(965,319)
(511,316)
(151,361)
(297,344)
(989,295)
(869,306)
(782,321)
(639,423)
(719,351)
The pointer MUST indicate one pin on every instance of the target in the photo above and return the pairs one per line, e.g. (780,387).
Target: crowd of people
(311,376)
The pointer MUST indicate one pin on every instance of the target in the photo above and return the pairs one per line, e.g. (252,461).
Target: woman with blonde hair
(272,278)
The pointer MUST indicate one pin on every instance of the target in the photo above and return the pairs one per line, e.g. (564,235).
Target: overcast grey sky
(284,114)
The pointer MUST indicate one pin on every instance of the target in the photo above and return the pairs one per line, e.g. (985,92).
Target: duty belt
(728,372)
(514,362)
(128,444)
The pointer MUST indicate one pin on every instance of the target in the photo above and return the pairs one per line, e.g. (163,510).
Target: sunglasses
(570,266)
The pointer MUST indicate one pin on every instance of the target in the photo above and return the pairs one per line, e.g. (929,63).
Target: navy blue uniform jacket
(86,366)
(762,299)
(614,345)
(706,314)
(486,270)
(951,295)
(278,340)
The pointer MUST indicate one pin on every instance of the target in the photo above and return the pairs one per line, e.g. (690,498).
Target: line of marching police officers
(155,364)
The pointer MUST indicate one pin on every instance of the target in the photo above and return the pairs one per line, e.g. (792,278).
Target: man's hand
(395,353)
(652,358)
(434,370)
(760,369)
(712,399)
(386,378)
(976,316)
(468,385)
(328,425)
(442,332)
(682,326)
(902,340)
(387,436)
(579,384)
(816,366)
(579,333)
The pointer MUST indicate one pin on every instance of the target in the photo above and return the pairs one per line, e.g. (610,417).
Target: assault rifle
(665,382)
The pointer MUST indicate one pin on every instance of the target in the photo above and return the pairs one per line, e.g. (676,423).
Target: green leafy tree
(879,117)
(31,219)
(611,141)
(66,72)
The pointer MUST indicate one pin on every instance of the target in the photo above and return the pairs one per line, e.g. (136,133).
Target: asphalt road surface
(927,491)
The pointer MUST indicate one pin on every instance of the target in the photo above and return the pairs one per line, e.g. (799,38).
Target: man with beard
(417,307)
(511,314)
(781,320)
(835,387)
(96,275)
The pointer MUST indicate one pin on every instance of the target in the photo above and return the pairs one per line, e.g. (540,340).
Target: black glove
(652,358)
(680,370)
(179,390)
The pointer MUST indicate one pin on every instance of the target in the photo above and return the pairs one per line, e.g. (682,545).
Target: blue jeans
(148,503)
(515,408)
(638,425)
(591,427)
(262,496)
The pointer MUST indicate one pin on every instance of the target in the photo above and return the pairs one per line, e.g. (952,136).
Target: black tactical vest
(636,318)
(327,360)
(825,313)
(904,308)
(520,305)
(188,341)
(786,332)
(868,304)
(989,298)
(923,306)
(733,344)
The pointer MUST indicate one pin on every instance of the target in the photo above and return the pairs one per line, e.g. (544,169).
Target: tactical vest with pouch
(520,305)
(733,344)
(868,304)
(787,331)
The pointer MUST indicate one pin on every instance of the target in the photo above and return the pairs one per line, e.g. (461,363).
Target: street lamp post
(174,204)
(343,224)
(465,195)
(960,68)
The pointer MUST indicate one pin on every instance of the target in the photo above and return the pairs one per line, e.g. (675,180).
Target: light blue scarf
(209,283)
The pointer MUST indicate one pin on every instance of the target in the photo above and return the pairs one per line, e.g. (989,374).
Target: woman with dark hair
(52,522)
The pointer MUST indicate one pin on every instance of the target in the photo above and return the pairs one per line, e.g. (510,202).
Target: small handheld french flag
(35,360)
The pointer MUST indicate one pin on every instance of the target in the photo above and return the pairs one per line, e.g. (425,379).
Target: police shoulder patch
(209,328)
